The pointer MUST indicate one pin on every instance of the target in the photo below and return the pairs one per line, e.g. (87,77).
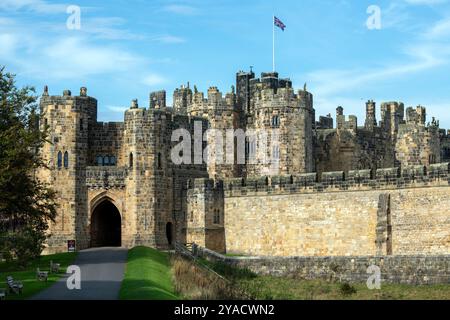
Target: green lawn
(27,276)
(265,287)
(148,276)
(292,288)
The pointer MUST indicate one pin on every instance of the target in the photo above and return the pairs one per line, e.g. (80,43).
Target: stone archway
(106,225)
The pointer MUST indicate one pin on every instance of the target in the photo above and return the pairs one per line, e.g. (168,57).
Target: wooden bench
(2,294)
(54,267)
(14,286)
(41,275)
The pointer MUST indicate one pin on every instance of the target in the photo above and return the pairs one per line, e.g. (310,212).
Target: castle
(380,188)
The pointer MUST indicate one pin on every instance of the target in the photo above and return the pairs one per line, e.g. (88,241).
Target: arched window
(131,160)
(99,161)
(106,161)
(275,121)
(66,160)
(59,160)
(159,161)
(276,153)
(112,161)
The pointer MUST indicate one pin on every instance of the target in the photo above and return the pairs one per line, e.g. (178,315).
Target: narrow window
(106,161)
(99,161)
(59,160)
(275,121)
(131,160)
(159,161)
(66,160)
(81,124)
(216,217)
(276,153)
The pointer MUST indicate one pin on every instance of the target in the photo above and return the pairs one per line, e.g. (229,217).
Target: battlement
(417,115)
(78,103)
(106,177)
(269,80)
(158,100)
(215,102)
(357,180)
(283,97)
(342,123)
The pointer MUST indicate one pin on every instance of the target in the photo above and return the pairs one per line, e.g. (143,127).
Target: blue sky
(126,48)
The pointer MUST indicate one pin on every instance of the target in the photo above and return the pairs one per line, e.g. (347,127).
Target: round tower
(284,127)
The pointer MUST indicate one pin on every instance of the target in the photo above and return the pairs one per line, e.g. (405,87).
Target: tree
(26,204)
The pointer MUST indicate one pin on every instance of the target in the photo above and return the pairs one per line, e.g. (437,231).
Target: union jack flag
(279,23)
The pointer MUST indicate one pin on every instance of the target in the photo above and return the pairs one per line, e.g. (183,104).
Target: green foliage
(26,204)
(230,272)
(347,289)
(287,288)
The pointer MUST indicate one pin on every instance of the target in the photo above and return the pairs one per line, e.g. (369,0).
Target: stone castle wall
(411,270)
(356,216)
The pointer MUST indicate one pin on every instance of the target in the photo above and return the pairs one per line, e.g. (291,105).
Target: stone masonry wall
(412,270)
(341,215)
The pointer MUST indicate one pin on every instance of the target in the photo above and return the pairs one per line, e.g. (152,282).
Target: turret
(158,100)
(371,120)
(243,90)
(68,119)
(182,97)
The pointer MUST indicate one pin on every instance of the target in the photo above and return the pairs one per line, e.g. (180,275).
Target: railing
(188,250)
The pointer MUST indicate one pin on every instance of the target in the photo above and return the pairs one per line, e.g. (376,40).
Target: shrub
(346,289)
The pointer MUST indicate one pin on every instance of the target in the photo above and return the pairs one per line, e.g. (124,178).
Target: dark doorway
(106,226)
(169,233)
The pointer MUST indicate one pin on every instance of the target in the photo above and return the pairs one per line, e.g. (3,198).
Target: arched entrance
(169,233)
(106,224)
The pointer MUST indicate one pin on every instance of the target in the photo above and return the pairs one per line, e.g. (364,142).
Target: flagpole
(273,43)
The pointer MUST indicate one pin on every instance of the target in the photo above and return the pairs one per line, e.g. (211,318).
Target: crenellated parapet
(214,104)
(106,178)
(358,180)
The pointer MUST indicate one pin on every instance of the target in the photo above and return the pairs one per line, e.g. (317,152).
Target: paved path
(102,271)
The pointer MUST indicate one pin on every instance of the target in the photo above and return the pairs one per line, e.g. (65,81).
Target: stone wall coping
(356,258)
(437,175)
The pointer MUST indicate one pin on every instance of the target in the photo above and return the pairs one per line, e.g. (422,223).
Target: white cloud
(169,39)
(441,30)
(153,80)
(425,2)
(181,9)
(73,55)
(331,82)
(423,54)
(8,45)
(38,6)
(109,28)
(116,109)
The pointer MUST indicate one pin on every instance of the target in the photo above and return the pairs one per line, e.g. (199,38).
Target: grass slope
(266,287)
(148,276)
(27,276)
